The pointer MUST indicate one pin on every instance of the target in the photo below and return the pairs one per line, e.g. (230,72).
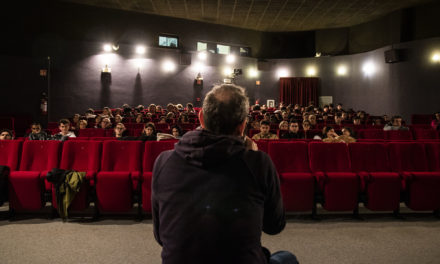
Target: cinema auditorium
(342,106)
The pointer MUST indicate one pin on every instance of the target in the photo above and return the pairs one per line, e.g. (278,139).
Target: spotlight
(253,73)
(368,68)
(227,71)
(140,49)
(168,66)
(202,55)
(199,67)
(230,58)
(282,73)
(436,57)
(342,70)
(311,71)
(107,47)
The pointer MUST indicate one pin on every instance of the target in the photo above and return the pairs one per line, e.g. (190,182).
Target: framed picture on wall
(271,103)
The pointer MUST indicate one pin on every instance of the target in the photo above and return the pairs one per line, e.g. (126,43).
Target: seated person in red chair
(6,134)
(65,133)
(396,124)
(264,132)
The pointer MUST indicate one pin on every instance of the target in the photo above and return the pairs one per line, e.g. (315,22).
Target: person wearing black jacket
(213,195)
(294,132)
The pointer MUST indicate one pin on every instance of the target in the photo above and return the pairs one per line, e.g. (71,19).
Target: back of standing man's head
(225,107)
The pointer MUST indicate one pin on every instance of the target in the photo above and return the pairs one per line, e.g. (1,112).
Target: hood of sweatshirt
(203,148)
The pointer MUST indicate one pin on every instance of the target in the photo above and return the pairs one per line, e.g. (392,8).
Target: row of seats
(379,134)
(338,175)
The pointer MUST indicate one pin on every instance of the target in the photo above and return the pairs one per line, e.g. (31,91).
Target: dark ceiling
(265,15)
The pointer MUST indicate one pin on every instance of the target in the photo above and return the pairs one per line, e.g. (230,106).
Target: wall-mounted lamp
(436,57)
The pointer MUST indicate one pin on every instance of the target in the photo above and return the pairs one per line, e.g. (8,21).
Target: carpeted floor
(333,239)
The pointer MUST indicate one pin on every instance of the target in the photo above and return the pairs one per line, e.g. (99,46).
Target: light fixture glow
(368,68)
(341,70)
(311,71)
(230,58)
(202,55)
(168,66)
(227,71)
(253,73)
(140,49)
(107,47)
(436,57)
(282,72)
(199,67)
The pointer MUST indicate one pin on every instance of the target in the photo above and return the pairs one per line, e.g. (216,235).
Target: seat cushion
(25,191)
(423,190)
(297,190)
(341,190)
(114,191)
(382,190)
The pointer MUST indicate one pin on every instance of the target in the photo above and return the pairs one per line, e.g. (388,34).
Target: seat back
(40,155)
(91,132)
(153,150)
(399,135)
(425,134)
(81,155)
(289,156)
(371,157)
(372,134)
(407,156)
(121,155)
(10,153)
(433,155)
(329,157)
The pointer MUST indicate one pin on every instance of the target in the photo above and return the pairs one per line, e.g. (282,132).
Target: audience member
(347,135)
(264,132)
(64,126)
(106,112)
(329,135)
(139,119)
(176,131)
(284,125)
(435,124)
(294,132)
(119,131)
(149,133)
(237,195)
(82,124)
(6,134)
(90,113)
(37,133)
(396,124)
(105,123)
(118,119)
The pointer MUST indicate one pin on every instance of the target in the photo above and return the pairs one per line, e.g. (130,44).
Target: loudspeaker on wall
(185,59)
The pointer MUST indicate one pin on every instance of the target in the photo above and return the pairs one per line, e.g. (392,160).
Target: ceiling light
(168,66)
(140,49)
(341,70)
(107,47)
(436,57)
(311,71)
(230,58)
(253,73)
(227,71)
(368,68)
(282,72)
(202,55)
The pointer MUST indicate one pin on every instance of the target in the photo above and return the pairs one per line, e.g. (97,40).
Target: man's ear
(241,127)
(202,122)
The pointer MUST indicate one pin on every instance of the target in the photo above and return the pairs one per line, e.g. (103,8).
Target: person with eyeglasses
(37,133)
(119,130)
(294,132)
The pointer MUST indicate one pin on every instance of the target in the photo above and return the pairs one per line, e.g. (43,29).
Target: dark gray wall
(407,87)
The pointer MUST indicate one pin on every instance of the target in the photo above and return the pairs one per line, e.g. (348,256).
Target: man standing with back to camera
(212,196)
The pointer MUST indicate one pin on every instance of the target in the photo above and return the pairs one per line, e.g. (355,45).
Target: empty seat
(27,185)
(297,183)
(152,151)
(433,155)
(81,156)
(92,132)
(422,186)
(371,134)
(398,135)
(330,164)
(10,153)
(425,134)
(119,175)
(381,186)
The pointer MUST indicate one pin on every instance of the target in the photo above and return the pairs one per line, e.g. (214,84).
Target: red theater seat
(91,132)
(27,185)
(425,134)
(10,153)
(372,134)
(152,151)
(399,135)
(82,156)
(381,186)
(119,175)
(421,185)
(297,183)
(330,163)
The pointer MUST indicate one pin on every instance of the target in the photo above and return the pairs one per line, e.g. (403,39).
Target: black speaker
(392,56)
(185,59)
(264,65)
